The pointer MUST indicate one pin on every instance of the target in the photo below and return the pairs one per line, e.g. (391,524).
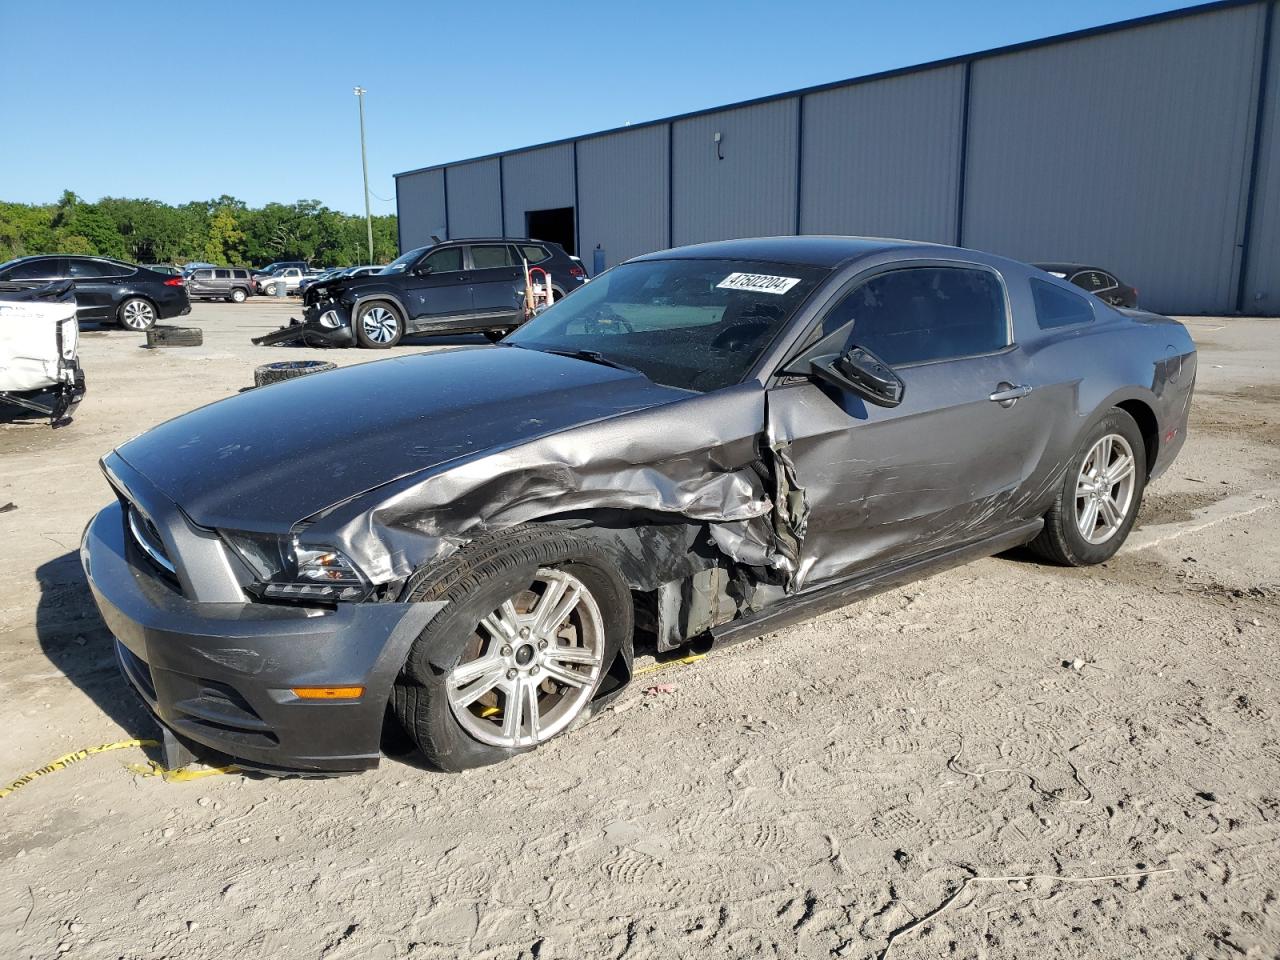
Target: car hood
(271,457)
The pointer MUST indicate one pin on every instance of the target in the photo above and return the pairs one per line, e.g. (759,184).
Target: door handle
(1007,393)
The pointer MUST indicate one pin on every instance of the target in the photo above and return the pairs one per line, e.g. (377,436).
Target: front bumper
(314,334)
(222,674)
(57,401)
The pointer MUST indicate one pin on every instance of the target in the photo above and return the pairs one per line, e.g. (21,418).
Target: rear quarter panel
(1119,357)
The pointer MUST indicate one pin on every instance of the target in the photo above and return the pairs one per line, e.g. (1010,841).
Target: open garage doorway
(555,225)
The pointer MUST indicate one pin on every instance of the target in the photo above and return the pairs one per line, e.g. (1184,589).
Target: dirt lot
(1007,760)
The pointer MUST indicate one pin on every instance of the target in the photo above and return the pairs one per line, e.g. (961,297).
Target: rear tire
(490,644)
(137,314)
(238,296)
(1100,495)
(378,325)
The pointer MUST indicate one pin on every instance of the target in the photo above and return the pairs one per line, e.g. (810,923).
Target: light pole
(364,163)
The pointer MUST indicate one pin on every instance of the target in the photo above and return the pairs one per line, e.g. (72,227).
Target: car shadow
(76,641)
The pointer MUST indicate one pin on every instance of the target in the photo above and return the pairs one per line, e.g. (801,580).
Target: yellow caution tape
(183,775)
(682,662)
(70,758)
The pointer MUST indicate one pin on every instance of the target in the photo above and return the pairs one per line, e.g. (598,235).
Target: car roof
(817,251)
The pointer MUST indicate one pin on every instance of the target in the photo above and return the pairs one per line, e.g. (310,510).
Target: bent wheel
(535,620)
(1100,495)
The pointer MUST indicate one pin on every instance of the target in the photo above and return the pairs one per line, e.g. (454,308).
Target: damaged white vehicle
(39,337)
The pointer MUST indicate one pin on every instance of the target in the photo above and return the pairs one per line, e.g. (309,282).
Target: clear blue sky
(185,101)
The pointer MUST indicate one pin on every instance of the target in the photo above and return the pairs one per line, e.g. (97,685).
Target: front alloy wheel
(531,665)
(378,326)
(536,628)
(137,314)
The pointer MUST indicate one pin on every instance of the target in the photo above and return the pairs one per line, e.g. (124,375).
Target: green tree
(225,238)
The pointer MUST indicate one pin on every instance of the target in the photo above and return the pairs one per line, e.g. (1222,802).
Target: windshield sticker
(758,282)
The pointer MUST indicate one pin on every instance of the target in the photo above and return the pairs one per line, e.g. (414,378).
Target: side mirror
(422,269)
(862,372)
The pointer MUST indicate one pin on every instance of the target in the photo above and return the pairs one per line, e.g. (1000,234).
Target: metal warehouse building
(1150,146)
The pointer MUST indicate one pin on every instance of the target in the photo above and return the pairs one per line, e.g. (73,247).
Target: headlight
(330,319)
(288,569)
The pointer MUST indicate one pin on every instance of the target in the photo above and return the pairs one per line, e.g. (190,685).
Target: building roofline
(1105,28)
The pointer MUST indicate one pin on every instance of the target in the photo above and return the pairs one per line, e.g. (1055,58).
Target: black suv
(107,291)
(457,286)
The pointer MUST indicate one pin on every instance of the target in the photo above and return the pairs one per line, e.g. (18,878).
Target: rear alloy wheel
(137,314)
(238,296)
(378,326)
(537,623)
(1100,495)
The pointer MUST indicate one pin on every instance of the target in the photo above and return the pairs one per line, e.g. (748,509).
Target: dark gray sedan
(700,445)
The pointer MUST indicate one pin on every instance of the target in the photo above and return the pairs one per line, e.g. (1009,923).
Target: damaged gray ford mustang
(701,444)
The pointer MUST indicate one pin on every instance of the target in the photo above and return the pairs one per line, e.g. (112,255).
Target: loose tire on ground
(289,370)
(170,336)
(1063,540)
(378,325)
(476,581)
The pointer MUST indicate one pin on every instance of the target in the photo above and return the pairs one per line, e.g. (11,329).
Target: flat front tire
(1100,495)
(535,619)
(378,325)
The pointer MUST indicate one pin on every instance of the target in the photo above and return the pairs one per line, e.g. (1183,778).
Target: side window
(489,256)
(1056,307)
(240,274)
(534,253)
(444,261)
(89,269)
(920,314)
(222,274)
(202,275)
(47,269)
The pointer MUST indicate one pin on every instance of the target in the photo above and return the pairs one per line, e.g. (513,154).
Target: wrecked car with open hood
(701,444)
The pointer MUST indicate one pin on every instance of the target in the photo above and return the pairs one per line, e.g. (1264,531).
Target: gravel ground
(1003,761)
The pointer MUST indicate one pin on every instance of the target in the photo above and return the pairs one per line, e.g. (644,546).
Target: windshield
(692,324)
(401,263)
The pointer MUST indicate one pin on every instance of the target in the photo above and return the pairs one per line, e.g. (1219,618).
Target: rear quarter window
(1056,307)
(534,253)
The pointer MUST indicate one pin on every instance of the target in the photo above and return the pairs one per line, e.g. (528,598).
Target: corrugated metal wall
(622,193)
(1262,280)
(1131,148)
(536,180)
(420,207)
(882,159)
(1125,149)
(474,200)
(749,193)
